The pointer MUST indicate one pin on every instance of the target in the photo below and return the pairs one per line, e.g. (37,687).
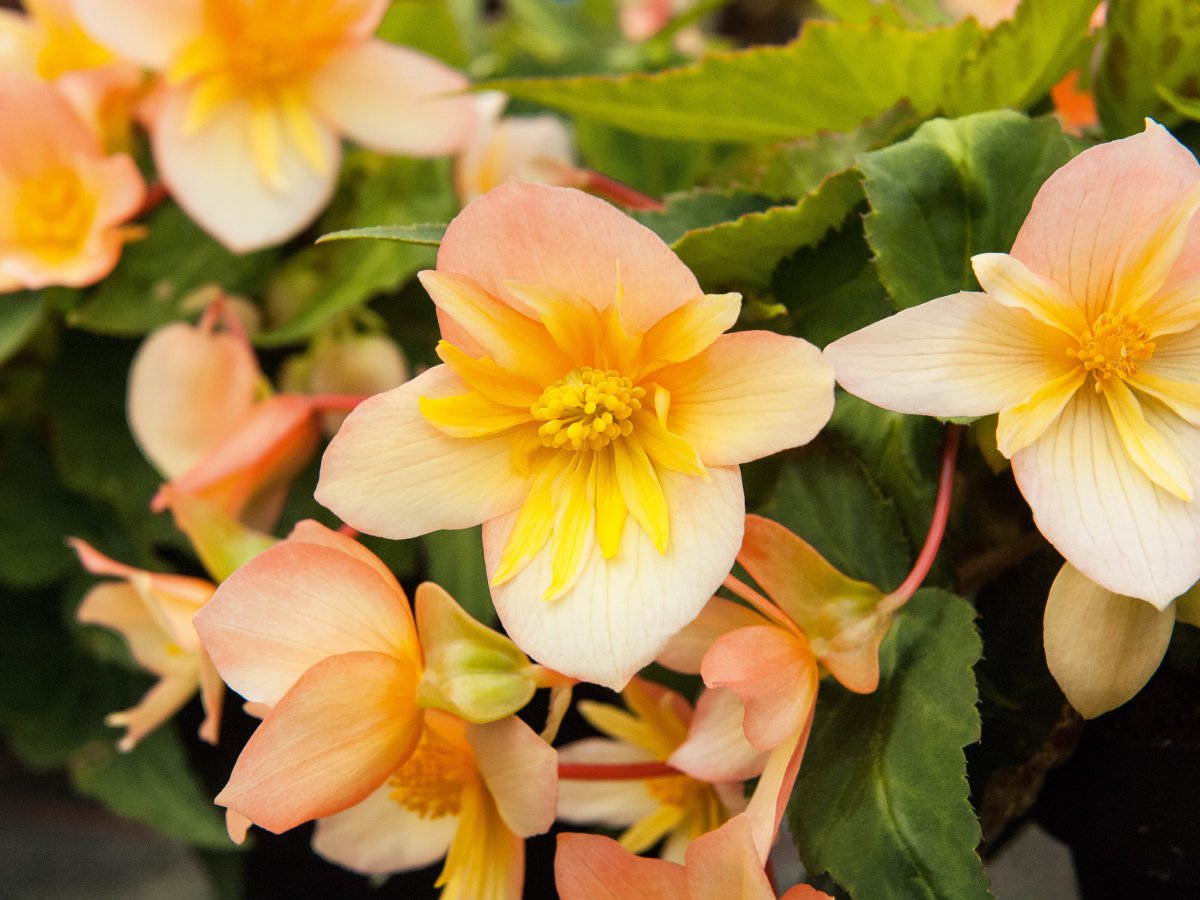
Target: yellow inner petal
(432,781)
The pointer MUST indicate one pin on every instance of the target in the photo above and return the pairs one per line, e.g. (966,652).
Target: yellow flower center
(54,214)
(675,790)
(431,783)
(1115,345)
(587,410)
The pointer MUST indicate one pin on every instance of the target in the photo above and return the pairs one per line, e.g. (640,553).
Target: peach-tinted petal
(390,472)
(1009,283)
(149,34)
(555,226)
(52,134)
(534,148)
(716,749)
(519,769)
(962,355)
(162,701)
(310,531)
(774,789)
(616,804)
(1181,397)
(1091,210)
(623,610)
(19,43)
(188,388)
(379,836)
(687,647)
(343,728)
(691,328)
(292,607)
(723,865)
(773,673)
(118,607)
(212,696)
(1150,256)
(214,176)
(392,99)
(1101,647)
(1101,511)
(1149,449)
(749,395)
(590,867)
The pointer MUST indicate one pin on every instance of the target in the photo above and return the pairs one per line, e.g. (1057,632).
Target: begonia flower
(721,865)
(1086,341)
(987,13)
(470,793)
(675,809)
(153,612)
(1102,647)
(591,413)
(63,202)
(528,148)
(246,129)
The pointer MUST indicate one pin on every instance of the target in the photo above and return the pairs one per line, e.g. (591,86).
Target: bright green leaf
(427,235)
(454,559)
(425,25)
(881,803)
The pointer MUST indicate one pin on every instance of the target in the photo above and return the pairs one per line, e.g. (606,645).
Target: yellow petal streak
(1152,452)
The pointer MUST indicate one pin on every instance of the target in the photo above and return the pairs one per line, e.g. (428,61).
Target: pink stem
(615,771)
(335,402)
(937,527)
(611,189)
(349,531)
(759,602)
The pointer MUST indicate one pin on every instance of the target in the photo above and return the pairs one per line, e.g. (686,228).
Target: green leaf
(454,559)
(954,189)
(746,251)
(155,275)
(881,803)
(151,784)
(346,274)
(1150,46)
(655,165)
(427,235)
(20,316)
(425,25)
(700,208)
(833,77)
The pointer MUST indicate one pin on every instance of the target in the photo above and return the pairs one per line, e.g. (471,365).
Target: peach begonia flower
(62,201)
(153,612)
(1085,340)
(987,13)
(246,129)
(470,793)
(319,636)
(1102,647)
(591,413)
(721,865)
(676,807)
(529,148)
(763,664)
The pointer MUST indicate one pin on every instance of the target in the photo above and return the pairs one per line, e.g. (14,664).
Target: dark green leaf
(700,208)
(20,316)
(455,561)
(652,165)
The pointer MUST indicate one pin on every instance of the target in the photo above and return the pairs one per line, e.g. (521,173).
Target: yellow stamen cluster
(1115,345)
(430,784)
(674,790)
(54,213)
(587,410)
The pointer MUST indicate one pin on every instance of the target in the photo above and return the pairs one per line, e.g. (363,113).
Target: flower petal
(555,226)
(774,790)
(343,728)
(590,867)
(716,749)
(691,328)
(722,865)
(163,700)
(149,34)
(215,177)
(379,836)
(520,771)
(1020,424)
(292,607)
(1009,283)
(623,610)
(389,472)
(687,647)
(1151,451)
(391,99)
(1101,647)
(1101,511)
(310,531)
(1090,212)
(962,355)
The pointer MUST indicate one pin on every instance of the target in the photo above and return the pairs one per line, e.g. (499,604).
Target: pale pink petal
(215,178)
(716,749)
(1101,647)
(118,607)
(188,388)
(212,696)
(162,701)
(343,728)
(774,673)
(379,836)
(538,235)
(616,804)
(723,865)
(1089,212)
(529,149)
(147,33)
(962,355)
(118,188)
(292,607)
(391,473)
(774,789)
(590,867)
(622,611)
(750,394)
(1102,512)
(520,771)
(394,100)
(310,531)
(685,651)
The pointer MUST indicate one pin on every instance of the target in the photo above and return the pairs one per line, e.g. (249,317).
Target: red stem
(156,195)
(615,771)
(349,531)
(937,527)
(335,402)
(611,189)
